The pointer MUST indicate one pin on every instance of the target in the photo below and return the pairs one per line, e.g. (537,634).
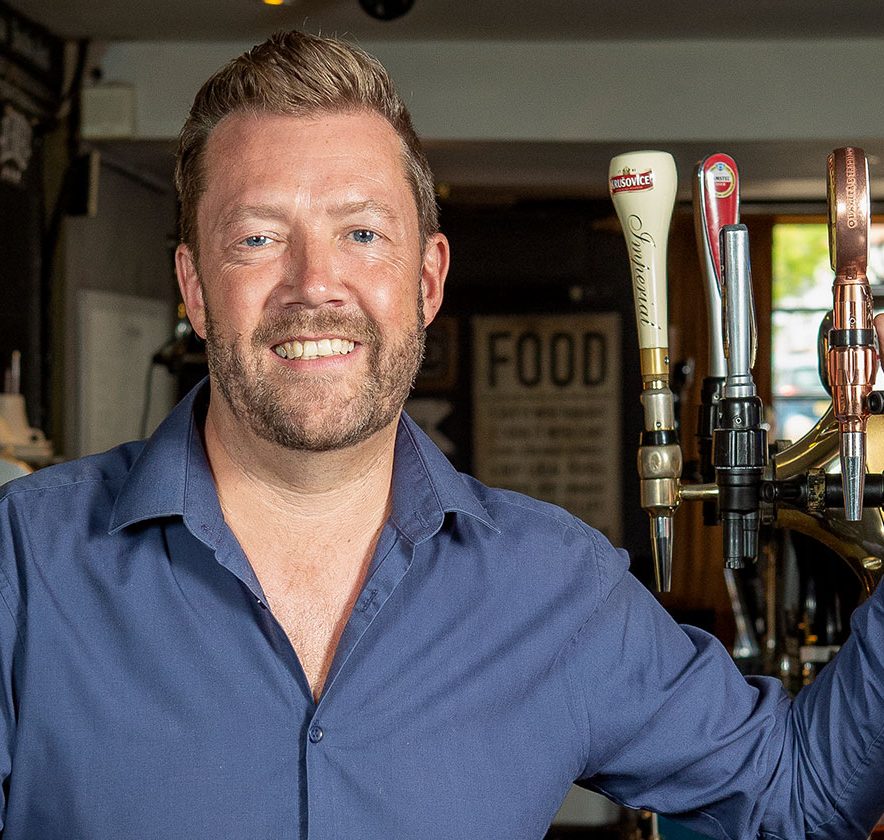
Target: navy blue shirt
(498,651)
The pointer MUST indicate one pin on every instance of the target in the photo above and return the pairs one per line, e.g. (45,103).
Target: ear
(191,289)
(433,273)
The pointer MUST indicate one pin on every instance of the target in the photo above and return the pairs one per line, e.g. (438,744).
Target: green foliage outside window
(800,261)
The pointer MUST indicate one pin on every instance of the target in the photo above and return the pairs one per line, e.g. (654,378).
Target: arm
(672,725)
(9,642)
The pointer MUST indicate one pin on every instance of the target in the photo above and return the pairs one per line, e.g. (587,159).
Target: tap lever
(716,204)
(716,200)
(642,187)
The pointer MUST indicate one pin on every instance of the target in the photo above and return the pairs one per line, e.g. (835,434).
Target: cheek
(389,288)
(237,296)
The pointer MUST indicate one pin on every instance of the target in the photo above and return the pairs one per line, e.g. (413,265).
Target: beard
(314,412)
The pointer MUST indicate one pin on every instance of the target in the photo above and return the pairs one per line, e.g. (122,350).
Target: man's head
(296,74)
(318,263)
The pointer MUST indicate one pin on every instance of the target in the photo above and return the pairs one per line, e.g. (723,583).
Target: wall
(592,91)
(123,250)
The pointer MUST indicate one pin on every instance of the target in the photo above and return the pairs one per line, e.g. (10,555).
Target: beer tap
(716,203)
(739,440)
(642,187)
(852,358)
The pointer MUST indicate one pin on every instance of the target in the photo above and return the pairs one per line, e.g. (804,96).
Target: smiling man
(312,282)
(286,616)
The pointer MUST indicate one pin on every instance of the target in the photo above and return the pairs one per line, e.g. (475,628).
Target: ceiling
(239,20)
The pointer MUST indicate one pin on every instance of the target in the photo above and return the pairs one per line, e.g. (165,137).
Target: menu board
(546,411)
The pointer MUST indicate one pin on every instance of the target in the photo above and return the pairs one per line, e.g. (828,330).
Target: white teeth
(314,349)
(292,349)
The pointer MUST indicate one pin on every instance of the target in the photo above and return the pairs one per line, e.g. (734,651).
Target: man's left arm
(671,725)
(837,726)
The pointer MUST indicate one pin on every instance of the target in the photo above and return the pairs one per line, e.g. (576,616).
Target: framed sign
(546,411)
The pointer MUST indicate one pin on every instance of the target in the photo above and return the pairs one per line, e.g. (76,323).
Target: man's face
(312,290)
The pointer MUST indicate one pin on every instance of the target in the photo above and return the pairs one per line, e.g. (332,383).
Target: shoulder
(548,533)
(67,483)
(508,508)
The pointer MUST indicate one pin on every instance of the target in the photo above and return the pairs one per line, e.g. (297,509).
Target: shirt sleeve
(671,725)
(9,644)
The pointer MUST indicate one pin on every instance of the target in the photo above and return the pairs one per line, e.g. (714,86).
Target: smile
(311,349)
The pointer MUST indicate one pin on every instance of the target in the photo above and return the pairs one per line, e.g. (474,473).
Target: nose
(311,276)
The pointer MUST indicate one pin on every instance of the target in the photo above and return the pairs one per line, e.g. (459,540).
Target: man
(286,616)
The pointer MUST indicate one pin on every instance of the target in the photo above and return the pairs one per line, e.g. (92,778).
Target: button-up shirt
(499,650)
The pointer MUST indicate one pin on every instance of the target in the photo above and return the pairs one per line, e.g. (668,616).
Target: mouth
(314,348)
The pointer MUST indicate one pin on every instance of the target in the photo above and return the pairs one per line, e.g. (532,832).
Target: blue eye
(364,236)
(256,241)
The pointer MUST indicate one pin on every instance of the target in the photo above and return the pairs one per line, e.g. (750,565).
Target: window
(802,295)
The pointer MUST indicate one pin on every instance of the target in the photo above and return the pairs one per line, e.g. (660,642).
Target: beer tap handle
(643,186)
(739,439)
(852,357)
(716,203)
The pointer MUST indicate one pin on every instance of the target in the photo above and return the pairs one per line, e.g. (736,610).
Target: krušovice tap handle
(852,359)
(716,204)
(643,186)
(739,441)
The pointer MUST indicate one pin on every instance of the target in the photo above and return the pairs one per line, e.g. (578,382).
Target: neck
(254,476)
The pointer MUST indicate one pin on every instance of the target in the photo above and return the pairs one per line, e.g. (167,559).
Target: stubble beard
(311,411)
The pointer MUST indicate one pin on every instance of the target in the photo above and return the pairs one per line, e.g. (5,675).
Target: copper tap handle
(852,358)
(849,210)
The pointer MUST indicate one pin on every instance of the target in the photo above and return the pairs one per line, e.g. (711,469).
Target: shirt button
(315,734)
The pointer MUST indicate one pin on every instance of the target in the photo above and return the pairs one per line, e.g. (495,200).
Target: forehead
(318,150)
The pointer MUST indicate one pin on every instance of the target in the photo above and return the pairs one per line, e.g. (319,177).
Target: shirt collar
(426,486)
(171,477)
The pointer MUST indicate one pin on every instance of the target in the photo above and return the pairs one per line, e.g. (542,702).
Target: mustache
(277,327)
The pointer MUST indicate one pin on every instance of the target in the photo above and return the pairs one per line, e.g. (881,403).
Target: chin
(322,433)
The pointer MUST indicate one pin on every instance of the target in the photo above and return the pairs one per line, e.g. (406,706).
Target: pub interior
(536,376)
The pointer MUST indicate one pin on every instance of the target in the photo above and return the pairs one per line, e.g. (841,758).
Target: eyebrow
(279,212)
(243,212)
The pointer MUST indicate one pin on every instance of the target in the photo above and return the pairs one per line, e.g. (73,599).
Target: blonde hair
(299,74)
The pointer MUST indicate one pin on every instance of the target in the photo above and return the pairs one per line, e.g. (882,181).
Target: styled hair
(298,74)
